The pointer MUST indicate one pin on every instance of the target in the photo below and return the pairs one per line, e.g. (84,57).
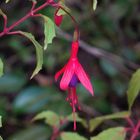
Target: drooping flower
(73,73)
(58,18)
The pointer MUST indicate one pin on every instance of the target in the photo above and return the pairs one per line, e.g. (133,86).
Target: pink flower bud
(58,19)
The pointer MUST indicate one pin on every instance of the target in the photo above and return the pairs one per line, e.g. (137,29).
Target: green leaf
(0,126)
(31,99)
(1,67)
(36,99)
(71,136)
(39,52)
(94,4)
(8,81)
(0,121)
(34,132)
(70,118)
(94,123)
(50,117)
(2,13)
(49,31)
(61,11)
(116,133)
(134,88)
(7,1)
(59,105)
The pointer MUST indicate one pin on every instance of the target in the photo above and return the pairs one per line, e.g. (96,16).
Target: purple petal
(74,81)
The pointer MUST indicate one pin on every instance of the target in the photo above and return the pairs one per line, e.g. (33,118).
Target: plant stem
(28,15)
(74,21)
(5,22)
(135,131)
(130,122)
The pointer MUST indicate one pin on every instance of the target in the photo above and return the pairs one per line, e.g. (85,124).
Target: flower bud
(58,19)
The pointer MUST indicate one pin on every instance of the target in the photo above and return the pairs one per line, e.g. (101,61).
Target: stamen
(73,101)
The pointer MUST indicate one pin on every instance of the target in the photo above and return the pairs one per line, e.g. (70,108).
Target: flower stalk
(134,129)
(74,22)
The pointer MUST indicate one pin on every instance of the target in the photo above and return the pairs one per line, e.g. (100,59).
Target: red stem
(28,15)
(130,122)
(133,137)
(5,23)
(135,131)
(74,21)
(137,128)
(31,13)
(33,5)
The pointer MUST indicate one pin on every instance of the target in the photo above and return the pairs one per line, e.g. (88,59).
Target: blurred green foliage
(111,133)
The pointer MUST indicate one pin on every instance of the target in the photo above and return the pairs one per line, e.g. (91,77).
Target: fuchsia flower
(73,73)
(58,18)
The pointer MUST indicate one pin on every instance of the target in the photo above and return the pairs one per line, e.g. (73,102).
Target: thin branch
(74,21)
(5,22)
(130,122)
(33,5)
(28,15)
